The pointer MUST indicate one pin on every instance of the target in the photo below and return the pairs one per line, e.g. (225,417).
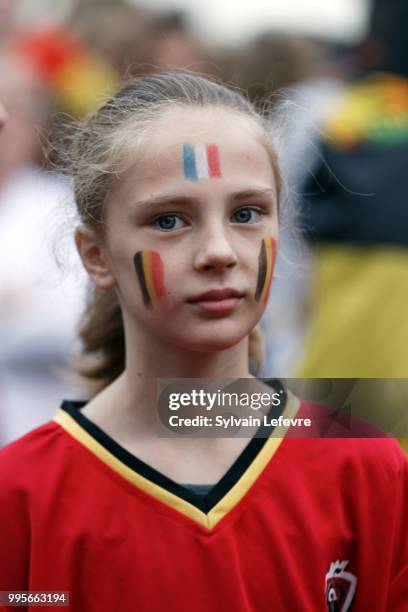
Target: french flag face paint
(150,273)
(201,161)
(266,263)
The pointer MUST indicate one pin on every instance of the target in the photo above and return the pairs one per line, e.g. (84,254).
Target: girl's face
(191,231)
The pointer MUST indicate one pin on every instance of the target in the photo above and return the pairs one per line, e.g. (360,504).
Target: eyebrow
(183,199)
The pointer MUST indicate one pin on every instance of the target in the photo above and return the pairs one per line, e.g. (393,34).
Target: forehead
(181,122)
(239,140)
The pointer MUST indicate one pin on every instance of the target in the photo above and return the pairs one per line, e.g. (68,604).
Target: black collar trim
(205,503)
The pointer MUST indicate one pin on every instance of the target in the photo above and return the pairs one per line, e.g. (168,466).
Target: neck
(154,360)
(149,360)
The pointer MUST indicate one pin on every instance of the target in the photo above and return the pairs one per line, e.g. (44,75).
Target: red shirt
(295,524)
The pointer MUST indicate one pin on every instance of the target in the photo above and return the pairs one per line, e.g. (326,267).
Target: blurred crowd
(340,119)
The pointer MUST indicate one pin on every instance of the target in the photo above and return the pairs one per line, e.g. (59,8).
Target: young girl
(177,185)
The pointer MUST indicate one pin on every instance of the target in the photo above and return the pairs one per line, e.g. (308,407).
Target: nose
(215,253)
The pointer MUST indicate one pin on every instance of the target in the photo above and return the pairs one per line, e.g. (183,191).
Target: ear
(93,257)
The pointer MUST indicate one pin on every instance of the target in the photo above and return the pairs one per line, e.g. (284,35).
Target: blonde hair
(94,154)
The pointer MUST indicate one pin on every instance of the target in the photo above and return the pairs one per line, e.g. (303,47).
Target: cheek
(266,263)
(150,274)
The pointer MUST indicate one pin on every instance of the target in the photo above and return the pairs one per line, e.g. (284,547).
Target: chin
(221,337)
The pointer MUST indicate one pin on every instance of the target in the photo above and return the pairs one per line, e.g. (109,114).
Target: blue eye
(246,215)
(168,222)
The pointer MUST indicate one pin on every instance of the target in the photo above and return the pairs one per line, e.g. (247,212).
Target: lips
(216,295)
(217,302)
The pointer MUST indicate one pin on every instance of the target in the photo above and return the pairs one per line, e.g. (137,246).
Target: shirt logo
(340,587)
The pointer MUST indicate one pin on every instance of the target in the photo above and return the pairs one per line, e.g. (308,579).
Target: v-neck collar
(208,509)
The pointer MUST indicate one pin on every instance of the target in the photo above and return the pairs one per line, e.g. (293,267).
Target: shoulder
(30,488)
(23,461)
(330,422)
(380,457)
(33,441)
(383,454)
(348,444)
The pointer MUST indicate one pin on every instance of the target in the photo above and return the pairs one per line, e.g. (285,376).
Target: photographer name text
(226,422)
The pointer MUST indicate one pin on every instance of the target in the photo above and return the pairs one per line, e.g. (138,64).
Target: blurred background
(334,75)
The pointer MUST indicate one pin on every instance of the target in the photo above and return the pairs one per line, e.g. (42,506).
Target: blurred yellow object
(84,84)
(347,335)
(80,78)
(373,111)
(403,442)
(353,314)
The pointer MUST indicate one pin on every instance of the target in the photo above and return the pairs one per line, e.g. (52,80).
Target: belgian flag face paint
(150,273)
(266,262)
